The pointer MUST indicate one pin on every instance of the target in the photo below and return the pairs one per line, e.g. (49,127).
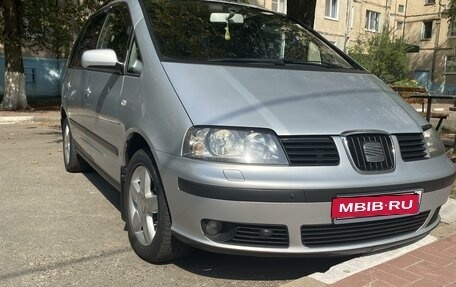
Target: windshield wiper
(280,61)
(244,60)
(284,61)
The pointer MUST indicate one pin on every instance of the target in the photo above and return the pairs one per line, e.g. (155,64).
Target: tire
(148,220)
(73,162)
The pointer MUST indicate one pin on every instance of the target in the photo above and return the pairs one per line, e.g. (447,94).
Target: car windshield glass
(210,31)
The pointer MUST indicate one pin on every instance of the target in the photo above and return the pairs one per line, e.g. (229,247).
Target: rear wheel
(73,162)
(148,220)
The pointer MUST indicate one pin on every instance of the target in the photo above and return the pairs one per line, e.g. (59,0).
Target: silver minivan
(235,129)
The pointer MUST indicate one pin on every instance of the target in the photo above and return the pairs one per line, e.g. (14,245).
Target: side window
(135,65)
(314,55)
(88,40)
(116,32)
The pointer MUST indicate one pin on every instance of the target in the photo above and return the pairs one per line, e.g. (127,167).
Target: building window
(332,9)
(452,29)
(372,21)
(429,2)
(275,5)
(426,32)
(399,25)
(352,17)
(450,65)
(278,6)
(400,8)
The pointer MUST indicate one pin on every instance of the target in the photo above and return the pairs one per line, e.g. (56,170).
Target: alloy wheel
(143,205)
(67,144)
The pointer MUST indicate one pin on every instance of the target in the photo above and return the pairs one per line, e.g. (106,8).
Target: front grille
(412,146)
(260,235)
(311,150)
(350,233)
(371,152)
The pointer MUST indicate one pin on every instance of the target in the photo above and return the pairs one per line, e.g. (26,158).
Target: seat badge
(374,152)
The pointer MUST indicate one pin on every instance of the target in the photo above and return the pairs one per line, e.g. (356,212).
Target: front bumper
(293,197)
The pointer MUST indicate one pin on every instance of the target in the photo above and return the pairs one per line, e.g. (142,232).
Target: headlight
(434,145)
(233,145)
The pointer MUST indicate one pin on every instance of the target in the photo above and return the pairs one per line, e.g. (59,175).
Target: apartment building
(423,23)
(343,21)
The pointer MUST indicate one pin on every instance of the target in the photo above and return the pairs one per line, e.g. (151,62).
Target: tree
(12,12)
(382,55)
(52,25)
(452,10)
(452,17)
(46,25)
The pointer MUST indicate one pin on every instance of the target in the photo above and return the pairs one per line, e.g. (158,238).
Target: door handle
(123,103)
(68,86)
(87,93)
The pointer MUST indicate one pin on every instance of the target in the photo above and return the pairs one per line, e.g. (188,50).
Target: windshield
(208,31)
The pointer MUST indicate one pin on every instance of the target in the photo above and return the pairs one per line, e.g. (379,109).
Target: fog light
(213,227)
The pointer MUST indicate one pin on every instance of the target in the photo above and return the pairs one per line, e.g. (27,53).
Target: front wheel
(148,220)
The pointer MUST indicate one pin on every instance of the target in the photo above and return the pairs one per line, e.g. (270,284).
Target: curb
(16,119)
(37,118)
(448,211)
(305,282)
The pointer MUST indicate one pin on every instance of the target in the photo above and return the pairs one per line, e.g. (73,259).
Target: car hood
(290,102)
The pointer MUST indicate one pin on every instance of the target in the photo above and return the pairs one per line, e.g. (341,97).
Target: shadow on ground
(230,266)
(54,131)
(253,268)
(107,190)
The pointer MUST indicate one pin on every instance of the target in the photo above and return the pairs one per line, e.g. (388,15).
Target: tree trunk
(14,97)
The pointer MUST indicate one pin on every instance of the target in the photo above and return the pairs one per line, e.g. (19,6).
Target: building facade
(343,21)
(427,25)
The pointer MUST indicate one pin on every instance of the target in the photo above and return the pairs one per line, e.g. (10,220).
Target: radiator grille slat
(326,235)
(412,147)
(310,150)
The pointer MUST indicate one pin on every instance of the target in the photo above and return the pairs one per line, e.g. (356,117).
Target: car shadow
(233,267)
(106,189)
(54,131)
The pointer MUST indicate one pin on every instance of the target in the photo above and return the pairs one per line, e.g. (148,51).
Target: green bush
(382,55)
(406,83)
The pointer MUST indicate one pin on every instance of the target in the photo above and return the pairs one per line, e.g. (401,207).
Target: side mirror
(106,58)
